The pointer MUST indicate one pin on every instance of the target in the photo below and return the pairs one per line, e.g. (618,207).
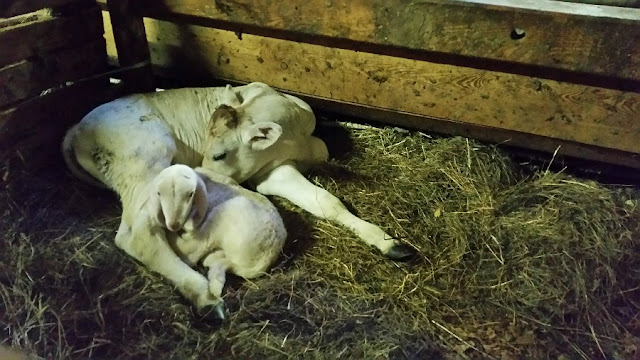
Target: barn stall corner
(424,107)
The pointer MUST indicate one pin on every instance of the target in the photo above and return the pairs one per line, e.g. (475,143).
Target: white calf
(250,133)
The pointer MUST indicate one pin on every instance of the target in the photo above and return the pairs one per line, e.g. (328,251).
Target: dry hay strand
(512,263)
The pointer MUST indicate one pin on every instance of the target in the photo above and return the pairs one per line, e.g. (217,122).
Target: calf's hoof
(214,312)
(401,252)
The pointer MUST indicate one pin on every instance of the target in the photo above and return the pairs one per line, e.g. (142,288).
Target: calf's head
(180,195)
(236,145)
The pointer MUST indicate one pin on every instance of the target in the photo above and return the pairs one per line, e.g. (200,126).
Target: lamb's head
(237,144)
(181,195)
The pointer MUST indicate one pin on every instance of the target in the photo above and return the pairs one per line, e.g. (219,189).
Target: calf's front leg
(149,246)
(286,181)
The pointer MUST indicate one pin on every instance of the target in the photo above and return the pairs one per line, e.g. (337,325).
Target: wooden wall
(50,51)
(453,67)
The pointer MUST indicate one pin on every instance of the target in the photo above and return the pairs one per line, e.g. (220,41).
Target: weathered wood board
(591,39)
(29,77)
(44,34)
(492,100)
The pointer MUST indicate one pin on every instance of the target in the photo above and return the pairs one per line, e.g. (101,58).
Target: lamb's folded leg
(149,246)
(218,266)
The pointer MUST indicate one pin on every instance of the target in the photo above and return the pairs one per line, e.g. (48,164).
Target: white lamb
(227,227)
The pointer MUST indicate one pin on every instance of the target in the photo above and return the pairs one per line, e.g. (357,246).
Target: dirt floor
(515,262)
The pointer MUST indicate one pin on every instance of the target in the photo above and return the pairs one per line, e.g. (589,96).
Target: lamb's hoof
(214,312)
(401,252)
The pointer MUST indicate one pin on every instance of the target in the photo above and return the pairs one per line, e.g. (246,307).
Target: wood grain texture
(30,77)
(45,34)
(589,115)
(558,35)
(131,41)
(10,8)
(504,137)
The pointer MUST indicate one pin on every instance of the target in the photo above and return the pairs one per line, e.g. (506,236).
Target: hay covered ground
(514,262)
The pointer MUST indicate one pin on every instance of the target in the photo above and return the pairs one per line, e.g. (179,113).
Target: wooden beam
(131,42)
(589,115)
(552,34)
(30,77)
(9,8)
(491,103)
(507,138)
(46,33)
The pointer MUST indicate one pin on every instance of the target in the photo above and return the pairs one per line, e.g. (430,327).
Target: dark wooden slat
(25,119)
(131,42)
(32,132)
(10,8)
(41,144)
(557,35)
(29,77)
(47,34)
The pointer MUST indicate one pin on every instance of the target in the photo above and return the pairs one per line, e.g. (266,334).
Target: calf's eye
(218,157)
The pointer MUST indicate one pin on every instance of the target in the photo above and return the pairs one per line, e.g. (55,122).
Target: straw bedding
(513,262)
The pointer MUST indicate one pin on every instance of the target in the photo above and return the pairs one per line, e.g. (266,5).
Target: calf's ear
(230,97)
(223,115)
(260,136)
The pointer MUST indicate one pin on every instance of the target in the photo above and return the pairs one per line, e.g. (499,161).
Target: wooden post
(132,46)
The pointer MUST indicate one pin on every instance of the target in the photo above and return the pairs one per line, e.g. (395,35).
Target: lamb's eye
(218,157)
(158,193)
(191,194)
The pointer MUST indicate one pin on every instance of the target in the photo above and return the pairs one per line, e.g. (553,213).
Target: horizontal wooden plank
(516,141)
(9,8)
(557,35)
(503,137)
(46,34)
(576,113)
(30,77)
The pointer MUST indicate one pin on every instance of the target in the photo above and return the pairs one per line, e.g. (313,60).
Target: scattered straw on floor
(512,263)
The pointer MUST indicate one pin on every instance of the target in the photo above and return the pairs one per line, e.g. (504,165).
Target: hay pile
(512,263)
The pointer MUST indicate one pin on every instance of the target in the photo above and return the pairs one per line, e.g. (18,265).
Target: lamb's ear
(260,136)
(155,208)
(199,206)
